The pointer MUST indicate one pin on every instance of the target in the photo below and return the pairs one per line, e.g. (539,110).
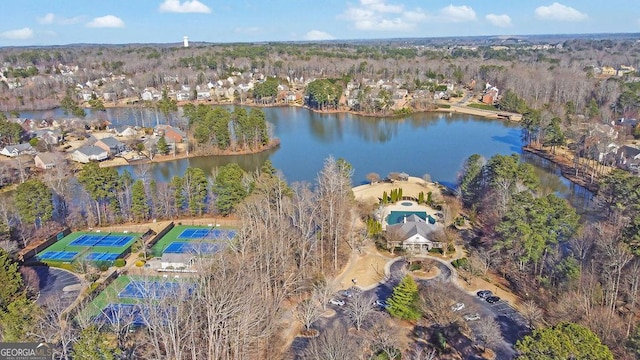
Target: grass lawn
(108,296)
(483,107)
(172,236)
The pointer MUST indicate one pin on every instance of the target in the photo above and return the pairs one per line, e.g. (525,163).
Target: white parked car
(381,304)
(336,302)
(472,317)
(457,306)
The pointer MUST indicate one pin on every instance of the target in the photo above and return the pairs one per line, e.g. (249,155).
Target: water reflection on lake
(434,143)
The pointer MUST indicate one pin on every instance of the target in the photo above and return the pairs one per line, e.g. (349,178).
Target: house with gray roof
(89,153)
(112,145)
(46,160)
(414,233)
(16,150)
(126,131)
(176,261)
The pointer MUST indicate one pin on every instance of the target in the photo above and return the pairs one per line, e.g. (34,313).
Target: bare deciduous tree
(359,309)
(382,338)
(421,353)
(334,343)
(488,332)
(373,177)
(323,291)
(531,313)
(307,312)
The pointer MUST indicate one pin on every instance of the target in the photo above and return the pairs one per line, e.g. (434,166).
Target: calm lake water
(433,143)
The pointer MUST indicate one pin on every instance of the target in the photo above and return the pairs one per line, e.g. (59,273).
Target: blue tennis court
(101,240)
(132,314)
(192,248)
(221,234)
(206,234)
(58,255)
(155,289)
(193,233)
(98,256)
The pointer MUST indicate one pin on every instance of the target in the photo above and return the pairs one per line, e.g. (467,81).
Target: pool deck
(399,207)
(412,187)
(371,193)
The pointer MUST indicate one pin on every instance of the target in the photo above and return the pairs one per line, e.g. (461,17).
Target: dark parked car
(484,293)
(492,299)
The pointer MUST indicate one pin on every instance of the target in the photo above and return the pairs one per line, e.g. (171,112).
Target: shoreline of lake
(273,144)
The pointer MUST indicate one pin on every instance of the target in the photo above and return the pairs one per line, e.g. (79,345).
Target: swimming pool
(396,217)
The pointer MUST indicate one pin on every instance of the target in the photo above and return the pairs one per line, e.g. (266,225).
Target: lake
(433,143)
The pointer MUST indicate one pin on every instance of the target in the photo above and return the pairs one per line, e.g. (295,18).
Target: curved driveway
(57,285)
(511,322)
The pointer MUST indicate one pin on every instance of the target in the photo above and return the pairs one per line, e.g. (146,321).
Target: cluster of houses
(49,150)
(602,144)
(610,71)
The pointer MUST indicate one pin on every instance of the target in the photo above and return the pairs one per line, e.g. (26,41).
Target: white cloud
(17,34)
(52,18)
(317,35)
(457,13)
(382,16)
(189,6)
(559,12)
(47,19)
(499,20)
(107,21)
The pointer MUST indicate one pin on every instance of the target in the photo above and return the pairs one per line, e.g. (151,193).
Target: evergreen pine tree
(162,146)
(404,301)
(139,204)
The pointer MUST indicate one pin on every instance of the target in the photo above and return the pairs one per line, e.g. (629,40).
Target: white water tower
(186,41)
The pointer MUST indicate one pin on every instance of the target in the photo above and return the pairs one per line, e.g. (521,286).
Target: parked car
(472,317)
(336,302)
(381,303)
(347,293)
(457,306)
(492,299)
(484,293)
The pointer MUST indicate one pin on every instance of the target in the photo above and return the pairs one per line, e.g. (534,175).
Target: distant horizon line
(627,35)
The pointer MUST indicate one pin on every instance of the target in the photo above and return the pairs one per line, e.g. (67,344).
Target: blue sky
(59,22)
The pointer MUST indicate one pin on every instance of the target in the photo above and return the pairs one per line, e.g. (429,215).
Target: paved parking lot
(57,285)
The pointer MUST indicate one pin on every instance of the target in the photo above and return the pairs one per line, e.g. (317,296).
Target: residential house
(625,69)
(111,145)
(171,134)
(203,95)
(608,71)
(150,94)
(89,153)
(16,150)
(109,96)
(86,95)
(49,137)
(628,157)
(183,95)
(146,95)
(46,161)
(400,94)
(415,233)
(490,95)
(125,131)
